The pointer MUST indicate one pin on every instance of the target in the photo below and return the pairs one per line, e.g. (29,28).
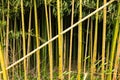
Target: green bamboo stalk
(3,66)
(117,60)
(114,40)
(24,42)
(71,40)
(103,41)
(37,40)
(95,42)
(29,37)
(50,44)
(60,42)
(80,42)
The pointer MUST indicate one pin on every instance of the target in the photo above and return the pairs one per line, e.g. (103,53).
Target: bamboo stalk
(117,60)
(80,43)
(50,44)
(113,47)
(5,76)
(103,41)
(29,37)
(37,40)
(7,37)
(63,32)
(91,48)
(60,42)
(71,40)
(24,42)
(95,41)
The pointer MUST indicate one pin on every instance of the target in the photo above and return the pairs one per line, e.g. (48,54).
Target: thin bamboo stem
(24,42)
(29,37)
(103,41)
(95,41)
(7,37)
(37,40)
(86,49)
(71,40)
(91,48)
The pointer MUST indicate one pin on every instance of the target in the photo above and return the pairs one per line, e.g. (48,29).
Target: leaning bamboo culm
(5,76)
(71,40)
(29,37)
(24,42)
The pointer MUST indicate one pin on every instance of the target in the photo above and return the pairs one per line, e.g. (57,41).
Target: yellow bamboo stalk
(71,39)
(5,76)
(60,42)
(63,32)
(80,42)
(50,44)
(51,55)
(24,42)
(103,41)
(37,41)
(95,41)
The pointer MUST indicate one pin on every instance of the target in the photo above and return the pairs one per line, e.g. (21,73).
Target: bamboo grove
(59,39)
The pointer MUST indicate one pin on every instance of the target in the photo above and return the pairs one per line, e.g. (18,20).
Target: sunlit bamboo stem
(37,40)
(24,42)
(80,42)
(5,76)
(103,40)
(50,44)
(60,42)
